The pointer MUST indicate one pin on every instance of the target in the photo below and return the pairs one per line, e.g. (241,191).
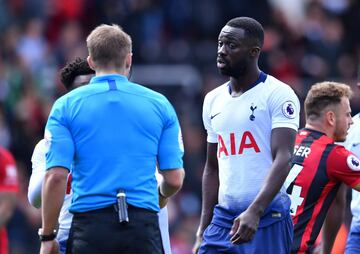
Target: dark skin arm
(210,189)
(282,146)
(333,220)
(53,192)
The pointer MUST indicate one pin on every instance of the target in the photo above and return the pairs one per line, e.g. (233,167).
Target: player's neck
(239,85)
(316,126)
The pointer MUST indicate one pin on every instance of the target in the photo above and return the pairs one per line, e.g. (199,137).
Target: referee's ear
(128,61)
(91,63)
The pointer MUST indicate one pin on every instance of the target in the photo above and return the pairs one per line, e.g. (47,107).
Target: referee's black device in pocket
(122,207)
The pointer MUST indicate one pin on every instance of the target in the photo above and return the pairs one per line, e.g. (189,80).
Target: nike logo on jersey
(355,144)
(212,116)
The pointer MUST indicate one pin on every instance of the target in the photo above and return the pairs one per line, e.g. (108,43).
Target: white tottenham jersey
(352,143)
(241,126)
(38,161)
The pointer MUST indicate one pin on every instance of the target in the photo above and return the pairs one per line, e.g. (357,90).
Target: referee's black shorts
(99,232)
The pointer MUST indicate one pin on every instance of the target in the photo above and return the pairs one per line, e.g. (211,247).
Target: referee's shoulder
(148,93)
(77,94)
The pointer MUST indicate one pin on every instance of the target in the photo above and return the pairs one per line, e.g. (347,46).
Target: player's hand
(244,227)
(197,244)
(49,247)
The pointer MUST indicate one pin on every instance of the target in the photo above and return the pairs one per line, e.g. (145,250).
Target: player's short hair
(108,46)
(253,29)
(324,94)
(74,69)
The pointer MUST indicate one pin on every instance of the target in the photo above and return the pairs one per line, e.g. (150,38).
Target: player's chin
(341,139)
(224,70)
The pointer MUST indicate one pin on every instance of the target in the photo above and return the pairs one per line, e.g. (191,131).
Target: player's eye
(232,45)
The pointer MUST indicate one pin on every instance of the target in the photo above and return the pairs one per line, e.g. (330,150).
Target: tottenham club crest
(252,108)
(353,162)
(288,109)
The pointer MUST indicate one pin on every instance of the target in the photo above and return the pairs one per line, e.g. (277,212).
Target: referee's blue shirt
(112,132)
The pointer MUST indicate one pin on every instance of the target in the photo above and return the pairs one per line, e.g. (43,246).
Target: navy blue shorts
(273,239)
(353,240)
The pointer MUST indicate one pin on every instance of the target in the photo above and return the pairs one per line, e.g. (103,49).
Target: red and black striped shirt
(318,168)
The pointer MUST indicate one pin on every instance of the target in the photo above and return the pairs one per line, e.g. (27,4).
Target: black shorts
(99,231)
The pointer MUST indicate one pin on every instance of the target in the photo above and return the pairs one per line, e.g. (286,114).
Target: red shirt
(318,168)
(8,183)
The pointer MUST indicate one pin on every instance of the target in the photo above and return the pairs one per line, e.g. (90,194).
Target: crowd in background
(305,41)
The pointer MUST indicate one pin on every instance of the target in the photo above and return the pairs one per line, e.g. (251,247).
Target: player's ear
(255,51)
(330,117)
(90,62)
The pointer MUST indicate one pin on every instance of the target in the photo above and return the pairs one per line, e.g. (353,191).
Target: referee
(114,132)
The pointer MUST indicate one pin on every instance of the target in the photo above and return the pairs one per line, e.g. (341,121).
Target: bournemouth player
(8,191)
(251,122)
(319,166)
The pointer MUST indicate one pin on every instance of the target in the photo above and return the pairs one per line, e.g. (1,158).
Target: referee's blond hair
(108,46)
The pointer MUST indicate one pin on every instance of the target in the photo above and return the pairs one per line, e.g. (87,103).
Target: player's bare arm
(333,220)
(53,197)
(210,188)
(282,145)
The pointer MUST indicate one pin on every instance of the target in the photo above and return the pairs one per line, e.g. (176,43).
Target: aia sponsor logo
(237,146)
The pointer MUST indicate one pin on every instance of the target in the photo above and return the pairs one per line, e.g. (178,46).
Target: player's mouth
(221,63)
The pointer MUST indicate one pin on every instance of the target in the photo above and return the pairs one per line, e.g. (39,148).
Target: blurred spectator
(8,191)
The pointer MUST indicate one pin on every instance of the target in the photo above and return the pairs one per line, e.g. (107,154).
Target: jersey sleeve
(58,138)
(38,161)
(8,172)
(343,166)
(206,115)
(171,147)
(284,108)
